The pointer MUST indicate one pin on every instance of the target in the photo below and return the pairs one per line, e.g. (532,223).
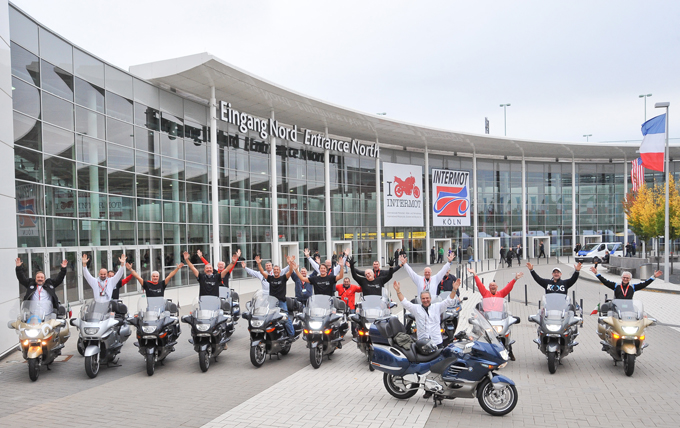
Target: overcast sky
(567,68)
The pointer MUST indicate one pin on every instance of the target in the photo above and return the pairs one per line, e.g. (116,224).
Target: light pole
(505,125)
(666,238)
(645,97)
(587,135)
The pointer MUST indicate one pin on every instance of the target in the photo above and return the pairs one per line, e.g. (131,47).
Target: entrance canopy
(194,75)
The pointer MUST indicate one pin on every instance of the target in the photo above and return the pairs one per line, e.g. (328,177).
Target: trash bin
(646,270)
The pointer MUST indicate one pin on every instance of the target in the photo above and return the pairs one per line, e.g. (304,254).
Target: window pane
(148,187)
(118,82)
(92,205)
(119,132)
(149,233)
(30,231)
(198,193)
(22,30)
(56,80)
(172,104)
(29,199)
(27,165)
(56,51)
(88,67)
(171,124)
(146,140)
(59,172)
(90,96)
(118,107)
(60,202)
(57,111)
(196,172)
(147,163)
(91,177)
(198,234)
(121,208)
(25,65)
(25,98)
(174,212)
(93,233)
(174,234)
(147,117)
(197,213)
(121,183)
(89,150)
(27,132)
(90,123)
(146,94)
(62,232)
(196,152)
(173,190)
(120,157)
(57,141)
(122,233)
(148,210)
(172,168)
(172,146)
(194,132)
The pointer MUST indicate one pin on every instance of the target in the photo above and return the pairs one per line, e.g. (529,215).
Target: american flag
(637,174)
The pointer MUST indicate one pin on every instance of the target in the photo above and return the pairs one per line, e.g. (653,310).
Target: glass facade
(105,163)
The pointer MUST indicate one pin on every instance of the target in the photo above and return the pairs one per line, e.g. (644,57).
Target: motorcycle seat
(412,354)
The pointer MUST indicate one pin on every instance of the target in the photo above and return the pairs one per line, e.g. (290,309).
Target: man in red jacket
(347,292)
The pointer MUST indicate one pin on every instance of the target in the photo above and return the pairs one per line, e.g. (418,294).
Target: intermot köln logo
(452,201)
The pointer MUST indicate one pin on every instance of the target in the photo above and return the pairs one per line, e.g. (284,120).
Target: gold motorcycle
(42,334)
(621,326)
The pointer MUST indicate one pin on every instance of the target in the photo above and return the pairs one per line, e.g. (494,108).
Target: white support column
(427,208)
(275,198)
(574,205)
(524,209)
(327,188)
(625,192)
(214,179)
(475,221)
(378,205)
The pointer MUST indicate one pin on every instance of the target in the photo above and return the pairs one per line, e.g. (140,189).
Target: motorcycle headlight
(315,325)
(630,329)
(504,355)
(368,325)
(91,330)
(202,327)
(498,328)
(148,328)
(32,333)
(256,323)
(553,327)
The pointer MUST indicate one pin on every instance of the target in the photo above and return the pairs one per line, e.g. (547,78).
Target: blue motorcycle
(464,369)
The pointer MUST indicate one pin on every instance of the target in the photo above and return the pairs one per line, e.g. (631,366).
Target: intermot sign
(266,127)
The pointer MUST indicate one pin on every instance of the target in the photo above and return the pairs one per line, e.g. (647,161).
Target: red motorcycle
(407,186)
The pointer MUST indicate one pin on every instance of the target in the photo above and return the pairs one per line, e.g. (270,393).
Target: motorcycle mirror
(465,298)
(516,320)
(9,324)
(576,320)
(72,322)
(653,320)
(392,305)
(533,318)
(248,306)
(468,348)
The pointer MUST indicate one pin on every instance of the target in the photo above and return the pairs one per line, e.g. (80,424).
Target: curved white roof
(196,74)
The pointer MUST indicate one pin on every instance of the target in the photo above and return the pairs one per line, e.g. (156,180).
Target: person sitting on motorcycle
(427,282)
(323,283)
(556,284)
(40,288)
(208,282)
(347,292)
(329,263)
(103,286)
(369,283)
(270,270)
(624,289)
(116,291)
(303,290)
(377,272)
(447,283)
(155,288)
(277,287)
(428,314)
(220,265)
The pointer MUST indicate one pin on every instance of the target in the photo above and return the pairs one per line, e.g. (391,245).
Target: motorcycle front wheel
(552,362)
(204,360)
(80,346)
(92,365)
(496,402)
(257,355)
(397,388)
(629,364)
(150,364)
(34,368)
(316,356)
(286,348)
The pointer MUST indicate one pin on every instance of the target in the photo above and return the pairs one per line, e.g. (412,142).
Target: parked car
(600,252)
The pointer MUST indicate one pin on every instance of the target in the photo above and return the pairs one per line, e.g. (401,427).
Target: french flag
(654,143)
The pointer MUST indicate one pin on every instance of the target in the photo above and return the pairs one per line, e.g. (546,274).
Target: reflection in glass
(30,230)
(197,173)
(92,205)
(58,142)
(148,187)
(147,117)
(172,168)
(173,125)
(121,208)
(146,140)
(195,152)
(148,210)
(118,107)
(198,213)
(60,202)
(88,67)
(26,132)
(118,82)
(22,30)
(93,233)
(59,172)
(90,150)
(172,146)
(25,98)
(174,212)
(123,233)
(61,232)
(25,65)
(197,193)
(119,132)
(57,111)
(173,190)
(120,157)
(30,198)
(147,163)
(198,234)
(174,234)
(27,165)
(90,96)
(55,50)
(149,233)
(121,183)
(90,123)
(56,80)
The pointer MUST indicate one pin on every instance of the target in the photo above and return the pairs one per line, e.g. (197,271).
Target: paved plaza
(587,390)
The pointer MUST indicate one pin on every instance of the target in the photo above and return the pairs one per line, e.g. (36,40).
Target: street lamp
(645,97)
(505,126)
(587,135)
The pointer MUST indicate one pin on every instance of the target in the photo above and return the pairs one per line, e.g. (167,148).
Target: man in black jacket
(369,283)
(556,284)
(40,288)
(624,289)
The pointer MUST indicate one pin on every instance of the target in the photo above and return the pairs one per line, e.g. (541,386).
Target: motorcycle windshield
(495,308)
(262,304)
(207,308)
(225,293)
(151,308)
(628,310)
(556,305)
(482,330)
(95,311)
(34,312)
(319,306)
(374,307)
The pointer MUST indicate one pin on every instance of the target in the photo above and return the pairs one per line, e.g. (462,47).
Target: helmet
(425,347)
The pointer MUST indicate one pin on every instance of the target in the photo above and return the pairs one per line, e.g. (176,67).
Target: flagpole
(667,245)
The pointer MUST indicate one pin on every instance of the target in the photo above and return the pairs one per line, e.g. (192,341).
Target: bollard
(526,296)
(539,304)
(581,304)
(573,295)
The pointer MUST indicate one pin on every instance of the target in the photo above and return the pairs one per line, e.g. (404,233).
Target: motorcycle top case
(389,359)
(381,331)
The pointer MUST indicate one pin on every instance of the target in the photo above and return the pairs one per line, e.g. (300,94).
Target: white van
(599,252)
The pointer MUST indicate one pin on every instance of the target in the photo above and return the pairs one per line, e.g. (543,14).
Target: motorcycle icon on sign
(407,186)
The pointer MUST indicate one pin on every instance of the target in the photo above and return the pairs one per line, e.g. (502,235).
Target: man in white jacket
(328,263)
(102,286)
(427,282)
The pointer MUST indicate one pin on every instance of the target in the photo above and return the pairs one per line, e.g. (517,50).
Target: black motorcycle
(211,329)
(267,327)
(324,328)
(368,310)
(158,329)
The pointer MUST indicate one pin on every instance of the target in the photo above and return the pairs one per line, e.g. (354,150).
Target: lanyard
(425,284)
(102,288)
(625,292)
(39,291)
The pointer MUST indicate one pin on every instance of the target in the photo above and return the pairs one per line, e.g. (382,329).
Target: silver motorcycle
(102,333)
(497,312)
